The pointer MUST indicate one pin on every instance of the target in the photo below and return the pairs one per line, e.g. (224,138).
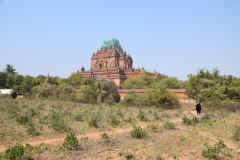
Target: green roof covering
(108,43)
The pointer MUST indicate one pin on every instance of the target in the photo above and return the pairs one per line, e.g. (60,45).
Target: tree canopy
(10,69)
(211,86)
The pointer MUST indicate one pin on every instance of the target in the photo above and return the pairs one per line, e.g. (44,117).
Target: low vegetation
(67,130)
(138,132)
(71,142)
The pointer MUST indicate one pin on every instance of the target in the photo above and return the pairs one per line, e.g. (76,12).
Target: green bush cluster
(55,92)
(138,133)
(100,91)
(129,156)
(142,116)
(132,99)
(105,136)
(31,129)
(158,95)
(15,152)
(57,123)
(18,152)
(229,105)
(71,141)
(169,125)
(218,151)
(189,121)
(207,118)
(94,122)
(22,119)
(27,121)
(113,120)
(216,90)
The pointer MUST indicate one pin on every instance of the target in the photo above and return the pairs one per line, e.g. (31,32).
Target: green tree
(40,79)
(160,96)
(77,79)
(211,86)
(132,99)
(106,90)
(18,79)
(9,81)
(144,80)
(10,69)
(3,77)
(172,83)
(87,95)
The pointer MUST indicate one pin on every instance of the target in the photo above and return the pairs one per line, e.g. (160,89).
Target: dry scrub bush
(138,133)
(71,141)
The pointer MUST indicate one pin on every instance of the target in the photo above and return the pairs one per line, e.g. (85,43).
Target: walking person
(198,107)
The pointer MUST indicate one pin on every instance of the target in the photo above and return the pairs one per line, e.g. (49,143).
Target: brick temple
(111,62)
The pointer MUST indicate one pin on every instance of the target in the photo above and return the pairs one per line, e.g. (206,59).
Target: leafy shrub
(129,156)
(105,136)
(206,118)
(113,121)
(189,121)
(31,130)
(232,106)
(132,99)
(87,94)
(160,96)
(236,134)
(144,80)
(138,133)
(109,100)
(195,120)
(30,150)
(218,151)
(15,152)
(169,125)
(62,92)
(94,122)
(106,89)
(142,116)
(172,83)
(57,122)
(70,141)
(159,157)
(22,119)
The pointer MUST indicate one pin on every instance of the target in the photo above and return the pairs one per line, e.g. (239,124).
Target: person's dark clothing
(198,108)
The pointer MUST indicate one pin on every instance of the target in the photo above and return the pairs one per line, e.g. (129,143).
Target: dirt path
(89,135)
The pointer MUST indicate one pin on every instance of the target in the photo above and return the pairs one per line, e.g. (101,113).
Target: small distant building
(6,91)
(111,62)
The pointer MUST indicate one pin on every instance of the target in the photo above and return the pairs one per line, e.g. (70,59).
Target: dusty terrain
(184,142)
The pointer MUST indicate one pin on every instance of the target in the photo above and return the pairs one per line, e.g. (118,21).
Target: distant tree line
(209,87)
(214,89)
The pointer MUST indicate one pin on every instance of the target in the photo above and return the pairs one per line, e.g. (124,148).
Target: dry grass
(184,142)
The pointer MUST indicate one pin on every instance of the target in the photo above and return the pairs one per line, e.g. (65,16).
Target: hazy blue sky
(173,37)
